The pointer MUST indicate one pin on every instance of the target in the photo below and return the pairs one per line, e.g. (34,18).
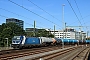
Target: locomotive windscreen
(16,38)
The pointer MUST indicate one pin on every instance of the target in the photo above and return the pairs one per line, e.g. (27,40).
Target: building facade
(61,34)
(80,35)
(69,34)
(31,29)
(17,21)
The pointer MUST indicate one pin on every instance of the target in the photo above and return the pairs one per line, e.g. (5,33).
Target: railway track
(16,50)
(12,54)
(82,55)
(77,53)
(53,55)
(22,50)
(64,54)
(46,54)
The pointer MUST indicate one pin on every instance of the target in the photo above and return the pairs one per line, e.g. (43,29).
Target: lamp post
(54,31)
(87,34)
(65,31)
(34,29)
(63,23)
(7,41)
(63,18)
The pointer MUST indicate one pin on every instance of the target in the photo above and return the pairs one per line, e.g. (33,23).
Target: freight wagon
(87,41)
(22,41)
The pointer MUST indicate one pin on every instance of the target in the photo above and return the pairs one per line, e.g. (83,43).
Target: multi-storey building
(31,29)
(36,30)
(80,35)
(69,34)
(17,21)
(61,34)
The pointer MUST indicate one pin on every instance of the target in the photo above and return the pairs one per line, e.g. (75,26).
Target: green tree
(88,38)
(9,30)
(40,33)
(44,33)
(29,34)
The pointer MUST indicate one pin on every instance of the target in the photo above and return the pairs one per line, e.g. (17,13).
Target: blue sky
(53,7)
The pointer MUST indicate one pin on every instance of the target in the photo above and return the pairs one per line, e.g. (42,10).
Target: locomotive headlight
(16,41)
(13,41)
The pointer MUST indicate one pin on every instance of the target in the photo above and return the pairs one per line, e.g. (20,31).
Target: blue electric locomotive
(22,41)
(18,41)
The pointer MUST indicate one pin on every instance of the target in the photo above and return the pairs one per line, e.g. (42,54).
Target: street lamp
(7,41)
(63,23)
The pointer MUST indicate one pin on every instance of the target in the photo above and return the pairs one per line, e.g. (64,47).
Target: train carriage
(73,41)
(82,42)
(87,41)
(56,41)
(22,41)
(66,41)
(32,41)
(46,40)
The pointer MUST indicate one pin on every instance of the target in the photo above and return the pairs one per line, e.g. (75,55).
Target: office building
(31,29)
(17,21)
(69,34)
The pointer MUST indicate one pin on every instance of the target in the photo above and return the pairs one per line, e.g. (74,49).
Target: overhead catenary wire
(86,17)
(25,22)
(8,17)
(74,12)
(52,15)
(83,18)
(79,11)
(44,11)
(18,15)
(3,16)
(33,12)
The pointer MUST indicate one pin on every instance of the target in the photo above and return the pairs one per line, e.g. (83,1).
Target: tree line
(9,30)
